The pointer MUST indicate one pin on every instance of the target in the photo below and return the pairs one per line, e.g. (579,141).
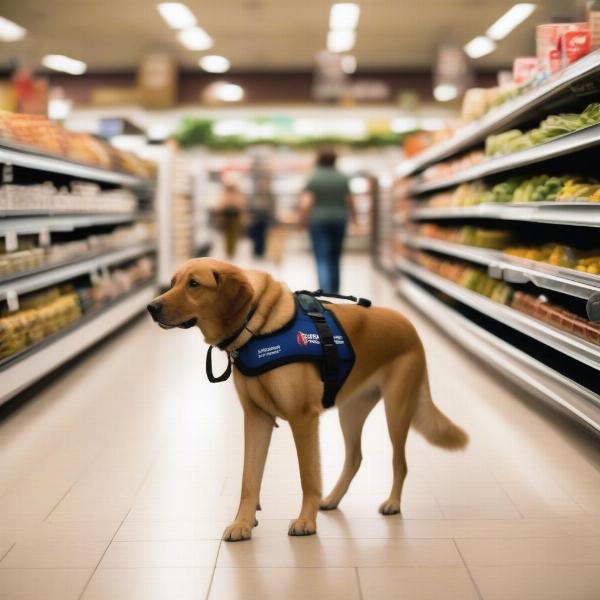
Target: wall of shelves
(469,316)
(28,230)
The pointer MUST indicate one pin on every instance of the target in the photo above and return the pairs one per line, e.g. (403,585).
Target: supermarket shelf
(570,345)
(37,361)
(22,156)
(24,283)
(545,383)
(34,222)
(565,144)
(515,270)
(585,214)
(506,116)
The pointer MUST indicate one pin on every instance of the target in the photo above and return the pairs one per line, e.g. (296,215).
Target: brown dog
(390,362)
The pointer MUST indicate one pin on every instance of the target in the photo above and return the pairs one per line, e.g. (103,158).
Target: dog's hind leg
(401,387)
(352,414)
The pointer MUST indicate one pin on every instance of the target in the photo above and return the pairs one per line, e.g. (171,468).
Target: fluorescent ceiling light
(11,32)
(344,16)
(444,92)
(403,124)
(195,38)
(58,62)
(229,92)
(340,41)
(349,64)
(214,64)
(177,15)
(509,20)
(480,46)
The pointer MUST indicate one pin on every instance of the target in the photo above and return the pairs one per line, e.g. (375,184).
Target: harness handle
(209,369)
(321,294)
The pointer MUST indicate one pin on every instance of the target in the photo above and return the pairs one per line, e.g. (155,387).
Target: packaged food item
(525,68)
(548,43)
(574,45)
(593,16)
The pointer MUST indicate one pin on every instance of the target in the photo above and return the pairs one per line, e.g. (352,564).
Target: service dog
(223,300)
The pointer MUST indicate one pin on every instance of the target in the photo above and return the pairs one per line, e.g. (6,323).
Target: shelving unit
(463,313)
(32,362)
(509,114)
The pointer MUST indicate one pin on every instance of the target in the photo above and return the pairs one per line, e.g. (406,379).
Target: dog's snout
(154,309)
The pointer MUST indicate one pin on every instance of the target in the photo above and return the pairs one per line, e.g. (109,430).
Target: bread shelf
(570,345)
(17,373)
(34,222)
(29,282)
(558,391)
(583,214)
(515,270)
(565,144)
(26,157)
(505,116)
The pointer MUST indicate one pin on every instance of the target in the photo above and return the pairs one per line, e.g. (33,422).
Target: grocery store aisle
(117,480)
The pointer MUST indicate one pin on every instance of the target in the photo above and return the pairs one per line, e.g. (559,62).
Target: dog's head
(203,291)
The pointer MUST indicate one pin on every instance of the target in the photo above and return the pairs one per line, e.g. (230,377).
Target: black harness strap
(209,370)
(321,294)
(331,362)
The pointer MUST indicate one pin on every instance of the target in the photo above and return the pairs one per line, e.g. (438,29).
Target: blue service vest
(298,341)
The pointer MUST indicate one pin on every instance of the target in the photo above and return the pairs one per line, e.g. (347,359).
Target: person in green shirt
(326,206)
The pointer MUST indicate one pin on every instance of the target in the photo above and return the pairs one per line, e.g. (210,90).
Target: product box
(525,68)
(549,44)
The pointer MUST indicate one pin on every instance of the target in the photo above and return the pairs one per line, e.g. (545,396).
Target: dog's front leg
(258,427)
(305,429)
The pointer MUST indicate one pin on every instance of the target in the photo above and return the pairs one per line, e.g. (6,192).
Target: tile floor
(117,480)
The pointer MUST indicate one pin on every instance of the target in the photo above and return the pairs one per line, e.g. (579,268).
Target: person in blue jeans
(327,205)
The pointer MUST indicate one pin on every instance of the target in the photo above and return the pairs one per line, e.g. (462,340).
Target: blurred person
(261,207)
(326,205)
(232,205)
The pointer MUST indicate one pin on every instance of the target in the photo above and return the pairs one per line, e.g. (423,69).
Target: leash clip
(209,370)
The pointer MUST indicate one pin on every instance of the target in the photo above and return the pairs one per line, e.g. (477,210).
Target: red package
(574,45)
(525,68)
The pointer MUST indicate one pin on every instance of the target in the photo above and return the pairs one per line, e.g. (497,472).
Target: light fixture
(58,62)
(229,92)
(10,31)
(403,124)
(509,20)
(214,63)
(340,41)
(177,15)
(348,64)
(344,16)
(480,46)
(195,38)
(444,92)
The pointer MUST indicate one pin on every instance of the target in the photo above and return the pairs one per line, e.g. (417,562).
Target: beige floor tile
(538,582)
(187,553)
(531,551)
(291,584)
(53,555)
(334,524)
(312,551)
(91,509)
(580,526)
(412,583)
(149,584)
(68,531)
(207,529)
(42,584)
(5,547)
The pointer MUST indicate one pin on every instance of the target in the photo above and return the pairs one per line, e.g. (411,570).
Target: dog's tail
(434,425)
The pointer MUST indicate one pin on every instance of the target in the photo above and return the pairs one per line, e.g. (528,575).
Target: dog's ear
(234,291)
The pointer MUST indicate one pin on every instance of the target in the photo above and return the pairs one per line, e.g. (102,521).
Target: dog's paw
(390,507)
(302,527)
(328,503)
(237,532)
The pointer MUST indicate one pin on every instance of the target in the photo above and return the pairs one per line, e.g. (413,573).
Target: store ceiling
(266,35)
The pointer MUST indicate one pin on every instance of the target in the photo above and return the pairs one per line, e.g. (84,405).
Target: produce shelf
(545,383)
(24,369)
(585,214)
(515,270)
(34,222)
(565,144)
(506,116)
(22,156)
(28,282)
(570,345)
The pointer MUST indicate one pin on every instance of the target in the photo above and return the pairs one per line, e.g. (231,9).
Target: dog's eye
(193,284)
